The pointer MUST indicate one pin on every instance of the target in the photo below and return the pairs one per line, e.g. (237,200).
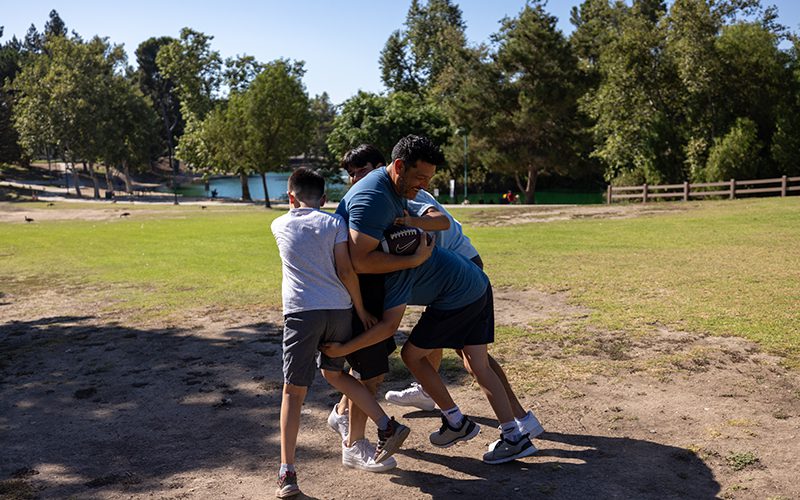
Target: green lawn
(726,268)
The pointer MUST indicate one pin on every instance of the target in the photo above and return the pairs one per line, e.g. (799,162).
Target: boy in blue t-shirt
(460,315)
(317,286)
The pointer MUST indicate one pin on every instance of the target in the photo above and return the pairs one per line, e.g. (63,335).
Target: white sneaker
(339,423)
(362,456)
(412,396)
(529,425)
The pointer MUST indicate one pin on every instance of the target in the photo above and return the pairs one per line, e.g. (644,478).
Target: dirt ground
(95,405)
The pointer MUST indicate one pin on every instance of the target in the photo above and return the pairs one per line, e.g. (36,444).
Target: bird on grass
(51,204)
(28,219)
(203,207)
(124,214)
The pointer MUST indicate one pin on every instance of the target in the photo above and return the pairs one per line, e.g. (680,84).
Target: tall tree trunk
(266,193)
(93,175)
(109,181)
(530,183)
(245,187)
(76,180)
(127,171)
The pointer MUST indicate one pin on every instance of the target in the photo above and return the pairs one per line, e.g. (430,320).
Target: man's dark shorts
(471,325)
(371,361)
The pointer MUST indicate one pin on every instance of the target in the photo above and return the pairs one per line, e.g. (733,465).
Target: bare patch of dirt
(524,214)
(94,405)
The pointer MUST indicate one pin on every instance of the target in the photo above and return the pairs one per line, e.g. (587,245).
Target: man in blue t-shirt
(459,315)
(369,208)
(425,213)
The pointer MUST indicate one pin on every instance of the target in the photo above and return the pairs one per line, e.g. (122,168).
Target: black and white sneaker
(447,436)
(506,451)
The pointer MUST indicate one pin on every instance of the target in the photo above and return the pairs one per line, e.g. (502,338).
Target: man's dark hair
(358,157)
(307,185)
(413,148)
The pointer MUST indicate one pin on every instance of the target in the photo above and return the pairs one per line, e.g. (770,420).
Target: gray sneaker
(390,440)
(506,451)
(447,436)
(287,485)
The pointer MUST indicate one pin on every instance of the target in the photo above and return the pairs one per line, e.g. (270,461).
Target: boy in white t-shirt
(319,288)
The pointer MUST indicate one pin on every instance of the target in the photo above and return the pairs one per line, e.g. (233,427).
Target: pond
(231,187)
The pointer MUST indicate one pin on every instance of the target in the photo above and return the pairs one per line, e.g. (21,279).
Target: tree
(278,118)
(636,106)
(736,155)
(54,26)
(194,69)
(130,135)
(323,114)
(383,120)
(10,60)
(62,99)
(520,103)
(255,130)
(161,91)
(413,59)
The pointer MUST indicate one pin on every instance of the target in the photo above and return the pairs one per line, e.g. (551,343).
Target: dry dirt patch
(96,406)
(550,213)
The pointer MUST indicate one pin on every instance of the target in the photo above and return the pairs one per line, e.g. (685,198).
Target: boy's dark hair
(307,185)
(413,148)
(358,157)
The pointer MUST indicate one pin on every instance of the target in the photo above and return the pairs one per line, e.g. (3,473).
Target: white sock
(510,431)
(453,416)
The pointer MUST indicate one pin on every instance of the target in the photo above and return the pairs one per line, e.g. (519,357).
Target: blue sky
(340,41)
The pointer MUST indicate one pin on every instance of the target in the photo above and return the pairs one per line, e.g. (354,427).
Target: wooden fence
(730,189)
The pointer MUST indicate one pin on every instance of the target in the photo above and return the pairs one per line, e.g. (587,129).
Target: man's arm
(382,330)
(367,259)
(349,278)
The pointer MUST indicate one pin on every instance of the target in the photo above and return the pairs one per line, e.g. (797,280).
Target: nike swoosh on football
(403,248)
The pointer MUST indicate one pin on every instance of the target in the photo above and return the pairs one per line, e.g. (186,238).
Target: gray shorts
(303,332)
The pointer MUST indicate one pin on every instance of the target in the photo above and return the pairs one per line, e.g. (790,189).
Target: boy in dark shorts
(460,315)
(319,287)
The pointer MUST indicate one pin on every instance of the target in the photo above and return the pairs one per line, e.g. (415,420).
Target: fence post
(685,190)
(783,186)
(644,193)
(733,189)
(608,195)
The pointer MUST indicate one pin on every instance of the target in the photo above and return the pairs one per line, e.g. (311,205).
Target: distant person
(214,193)
(319,290)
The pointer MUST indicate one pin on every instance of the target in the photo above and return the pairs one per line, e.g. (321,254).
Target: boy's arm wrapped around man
(382,330)
(349,278)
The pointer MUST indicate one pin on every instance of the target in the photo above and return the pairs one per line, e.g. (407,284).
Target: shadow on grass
(593,467)
(106,408)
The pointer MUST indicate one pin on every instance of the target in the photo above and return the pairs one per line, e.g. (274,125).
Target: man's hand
(334,349)
(424,249)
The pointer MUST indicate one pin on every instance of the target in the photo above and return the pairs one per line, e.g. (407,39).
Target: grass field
(725,268)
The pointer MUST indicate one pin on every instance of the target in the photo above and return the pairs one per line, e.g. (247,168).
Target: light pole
(465,132)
